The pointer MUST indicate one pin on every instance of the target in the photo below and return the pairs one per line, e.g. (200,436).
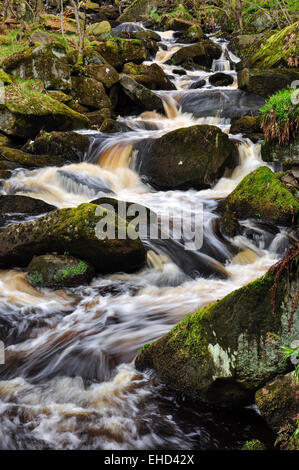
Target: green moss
(254,444)
(35,278)
(74,270)
(5,78)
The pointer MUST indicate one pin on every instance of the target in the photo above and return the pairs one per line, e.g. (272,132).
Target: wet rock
(275,152)
(141,95)
(111,126)
(202,53)
(221,79)
(25,112)
(198,158)
(127,27)
(47,63)
(89,92)
(262,195)
(266,82)
(191,35)
(222,353)
(231,104)
(249,126)
(12,158)
(68,146)
(76,231)
(198,84)
(14,204)
(56,272)
(152,76)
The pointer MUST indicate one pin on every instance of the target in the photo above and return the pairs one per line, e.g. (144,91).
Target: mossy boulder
(250,126)
(14,158)
(47,63)
(15,204)
(96,118)
(97,29)
(152,76)
(191,35)
(223,353)
(258,22)
(138,10)
(90,92)
(272,151)
(68,146)
(139,94)
(202,53)
(278,401)
(118,51)
(25,112)
(104,73)
(246,45)
(266,82)
(5,78)
(145,35)
(54,271)
(75,231)
(280,50)
(198,157)
(262,195)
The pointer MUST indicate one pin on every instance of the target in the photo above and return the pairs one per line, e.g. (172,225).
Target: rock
(104,73)
(119,51)
(198,84)
(126,27)
(96,118)
(18,159)
(246,45)
(258,22)
(53,23)
(23,205)
(138,10)
(274,152)
(40,37)
(198,158)
(266,82)
(74,231)
(223,353)
(278,402)
(111,126)
(152,76)
(141,95)
(54,271)
(68,146)
(145,35)
(46,63)
(176,24)
(191,35)
(262,195)
(250,126)
(89,92)
(25,112)
(97,29)
(59,96)
(5,78)
(231,104)
(274,53)
(202,53)
(221,79)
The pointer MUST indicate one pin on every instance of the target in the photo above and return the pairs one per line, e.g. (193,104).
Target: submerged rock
(223,354)
(54,271)
(198,157)
(74,231)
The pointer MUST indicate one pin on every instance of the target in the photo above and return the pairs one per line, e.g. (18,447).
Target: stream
(69,380)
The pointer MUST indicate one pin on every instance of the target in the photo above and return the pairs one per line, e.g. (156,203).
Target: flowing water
(69,380)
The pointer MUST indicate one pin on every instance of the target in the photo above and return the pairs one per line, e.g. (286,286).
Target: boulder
(266,82)
(152,76)
(118,51)
(98,29)
(191,35)
(54,271)
(221,79)
(202,53)
(262,195)
(96,118)
(246,45)
(75,231)
(25,112)
(5,79)
(197,84)
(47,63)
(142,96)
(249,126)
(90,92)
(23,205)
(104,73)
(258,22)
(199,156)
(12,158)
(68,146)
(272,151)
(223,353)
(138,10)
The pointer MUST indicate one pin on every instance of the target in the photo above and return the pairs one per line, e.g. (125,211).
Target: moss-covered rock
(262,195)
(118,51)
(90,92)
(138,10)
(152,76)
(15,158)
(258,22)
(54,271)
(223,352)
(272,151)
(246,45)
(266,82)
(46,63)
(202,53)
(68,146)
(26,111)
(98,29)
(250,126)
(104,73)
(77,232)
(280,50)
(198,158)
(278,402)
(96,118)
(191,35)
(139,94)
(5,78)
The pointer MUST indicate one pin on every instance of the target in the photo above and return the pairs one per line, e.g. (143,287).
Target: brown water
(69,380)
